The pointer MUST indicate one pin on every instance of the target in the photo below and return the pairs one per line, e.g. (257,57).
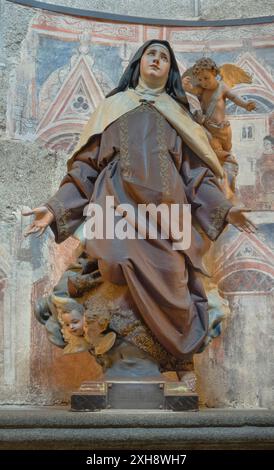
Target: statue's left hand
(236,216)
(42,219)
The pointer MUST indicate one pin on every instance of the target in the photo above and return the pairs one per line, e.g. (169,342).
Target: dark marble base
(133,395)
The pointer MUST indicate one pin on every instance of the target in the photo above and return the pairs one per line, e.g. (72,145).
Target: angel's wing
(75,344)
(232,75)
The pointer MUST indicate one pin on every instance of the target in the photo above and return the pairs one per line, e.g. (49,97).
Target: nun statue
(141,147)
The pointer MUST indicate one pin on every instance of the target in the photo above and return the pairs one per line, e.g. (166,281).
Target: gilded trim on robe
(124,149)
(163,152)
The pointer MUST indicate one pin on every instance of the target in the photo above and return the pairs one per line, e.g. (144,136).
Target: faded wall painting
(67,66)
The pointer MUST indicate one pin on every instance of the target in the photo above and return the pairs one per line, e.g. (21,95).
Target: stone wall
(49,61)
(175,9)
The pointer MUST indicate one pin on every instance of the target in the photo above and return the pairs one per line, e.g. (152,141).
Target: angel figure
(81,329)
(201,80)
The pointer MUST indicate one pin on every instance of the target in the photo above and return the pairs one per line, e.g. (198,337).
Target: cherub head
(73,318)
(64,326)
(205,72)
(82,325)
(70,314)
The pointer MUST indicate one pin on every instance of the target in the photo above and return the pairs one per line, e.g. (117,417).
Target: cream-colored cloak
(115,106)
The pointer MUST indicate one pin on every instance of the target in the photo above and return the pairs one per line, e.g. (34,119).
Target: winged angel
(202,81)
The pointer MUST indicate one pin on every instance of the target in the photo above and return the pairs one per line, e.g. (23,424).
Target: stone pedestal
(133,395)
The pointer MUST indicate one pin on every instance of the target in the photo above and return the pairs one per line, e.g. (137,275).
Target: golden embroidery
(124,148)
(163,154)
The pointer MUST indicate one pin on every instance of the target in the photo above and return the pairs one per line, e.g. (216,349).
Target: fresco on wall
(69,64)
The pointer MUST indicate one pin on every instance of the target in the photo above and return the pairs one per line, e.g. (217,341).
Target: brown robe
(140,158)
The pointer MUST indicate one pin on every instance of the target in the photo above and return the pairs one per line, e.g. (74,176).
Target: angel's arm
(248,105)
(189,88)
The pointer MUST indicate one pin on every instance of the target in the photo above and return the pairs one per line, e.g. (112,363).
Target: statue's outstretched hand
(43,218)
(237,218)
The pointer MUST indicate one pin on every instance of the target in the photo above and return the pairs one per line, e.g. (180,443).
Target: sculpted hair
(205,64)
(71,306)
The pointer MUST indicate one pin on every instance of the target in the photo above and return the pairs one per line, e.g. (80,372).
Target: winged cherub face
(74,322)
(207,79)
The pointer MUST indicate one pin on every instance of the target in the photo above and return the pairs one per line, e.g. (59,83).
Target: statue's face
(74,322)
(155,65)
